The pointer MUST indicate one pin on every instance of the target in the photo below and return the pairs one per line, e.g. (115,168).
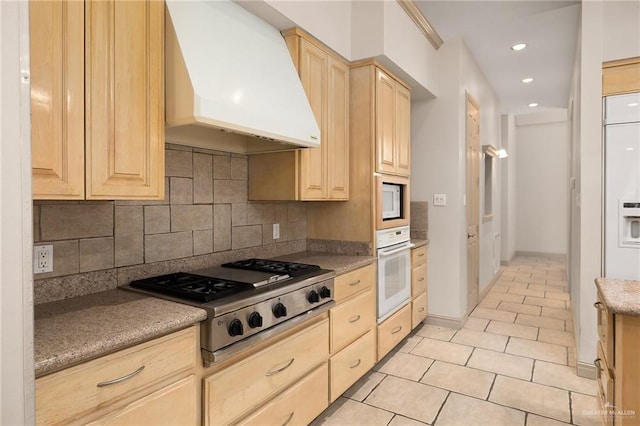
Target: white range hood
(226,69)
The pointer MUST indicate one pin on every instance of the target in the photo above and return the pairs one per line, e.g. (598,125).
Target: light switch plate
(439,199)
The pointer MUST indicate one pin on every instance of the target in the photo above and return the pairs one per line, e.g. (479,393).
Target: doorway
(472,200)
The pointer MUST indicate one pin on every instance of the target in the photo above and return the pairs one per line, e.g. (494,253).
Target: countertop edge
(419,243)
(621,297)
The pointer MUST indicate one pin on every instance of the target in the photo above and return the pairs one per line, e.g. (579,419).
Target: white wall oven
(394,270)
(392,193)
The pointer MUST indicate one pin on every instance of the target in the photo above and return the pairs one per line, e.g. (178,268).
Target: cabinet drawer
(605,380)
(353,282)
(78,390)
(175,404)
(393,330)
(294,406)
(418,310)
(352,319)
(237,389)
(351,363)
(419,256)
(418,280)
(605,330)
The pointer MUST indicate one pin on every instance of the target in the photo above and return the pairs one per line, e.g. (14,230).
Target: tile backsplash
(204,220)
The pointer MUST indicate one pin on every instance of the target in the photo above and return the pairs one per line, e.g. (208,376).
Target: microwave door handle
(398,250)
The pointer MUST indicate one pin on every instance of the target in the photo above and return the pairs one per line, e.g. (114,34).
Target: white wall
(16,280)
(541,187)
(621,38)
(508,190)
(439,166)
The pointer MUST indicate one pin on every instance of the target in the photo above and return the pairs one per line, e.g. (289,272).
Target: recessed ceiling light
(519,46)
(633,104)
(527,80)
(533,104)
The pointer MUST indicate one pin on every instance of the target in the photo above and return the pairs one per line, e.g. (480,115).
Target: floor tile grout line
(493,382)
(446,398)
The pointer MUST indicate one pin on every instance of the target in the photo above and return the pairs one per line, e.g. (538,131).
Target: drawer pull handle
(120,379)
(279,370)
(356,282)
(421,309)
(355,364)
(421,279)
(396,330)
(354,319)
(286,422)
(420,254)
(598,306)
(596,362)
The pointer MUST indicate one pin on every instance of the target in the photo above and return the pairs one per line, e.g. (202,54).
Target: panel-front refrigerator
(622,187)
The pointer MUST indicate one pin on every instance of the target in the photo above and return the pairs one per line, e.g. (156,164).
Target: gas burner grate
(274,266)
(191,286)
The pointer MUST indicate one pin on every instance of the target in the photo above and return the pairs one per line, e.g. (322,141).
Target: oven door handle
(383,253)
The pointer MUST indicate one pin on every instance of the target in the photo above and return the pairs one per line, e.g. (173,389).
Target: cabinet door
(338,130)
(313,71)
(403,130)
(57,98)
(385,132)
(124,99)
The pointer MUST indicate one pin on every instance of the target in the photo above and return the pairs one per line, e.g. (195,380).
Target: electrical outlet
(42,259)
(276,231)
(439,199)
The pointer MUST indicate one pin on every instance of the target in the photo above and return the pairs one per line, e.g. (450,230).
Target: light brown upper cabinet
(393,125)
(97,95)
(311,173)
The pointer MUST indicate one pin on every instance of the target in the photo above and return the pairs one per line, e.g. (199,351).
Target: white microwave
(392,202)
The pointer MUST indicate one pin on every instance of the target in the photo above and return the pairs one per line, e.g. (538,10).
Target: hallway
(512,364)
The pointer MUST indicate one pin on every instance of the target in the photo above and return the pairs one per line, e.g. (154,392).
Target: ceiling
(490,28)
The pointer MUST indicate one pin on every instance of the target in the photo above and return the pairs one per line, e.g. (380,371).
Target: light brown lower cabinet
(351,363)
(418,310)
(393,330)
(123,387)
(298,405)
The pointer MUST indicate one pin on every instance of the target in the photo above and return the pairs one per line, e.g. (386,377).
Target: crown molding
(421,22)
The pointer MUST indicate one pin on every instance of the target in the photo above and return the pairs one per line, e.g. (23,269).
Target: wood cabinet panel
(346,285)
(124,99)
(313,66)
(352,319)
(351,363)
(80,390)
(226,394)
(298,405)
(338,130)
(619,77)
(175,404)
(56,40)
(385,118)
(418,310)
(393,330)
(418,280)
(418,256)
(403,130)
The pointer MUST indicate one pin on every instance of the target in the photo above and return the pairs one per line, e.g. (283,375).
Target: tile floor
(512,364)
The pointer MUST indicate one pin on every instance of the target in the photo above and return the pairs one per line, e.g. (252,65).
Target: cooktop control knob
(236,328)
(279,310)
(255,320)
(325,292)
(313,297)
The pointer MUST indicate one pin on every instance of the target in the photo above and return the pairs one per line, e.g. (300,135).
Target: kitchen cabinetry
(313,173)
(151,383)
(418,285)
(97,96)
(246,388)
(622,76)
(393,126)
(617,364)
(393,330)
(352,329)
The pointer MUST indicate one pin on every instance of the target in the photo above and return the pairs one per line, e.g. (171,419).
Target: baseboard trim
(449,322)
(508,262)
(586,370)
(562,257)
(486,290)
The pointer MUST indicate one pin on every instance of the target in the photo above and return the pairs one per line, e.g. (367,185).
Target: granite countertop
(341,263)
(71,331)
(419,243)
(620,296)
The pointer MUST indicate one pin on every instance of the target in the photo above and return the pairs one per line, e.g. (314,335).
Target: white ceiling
(490,28)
